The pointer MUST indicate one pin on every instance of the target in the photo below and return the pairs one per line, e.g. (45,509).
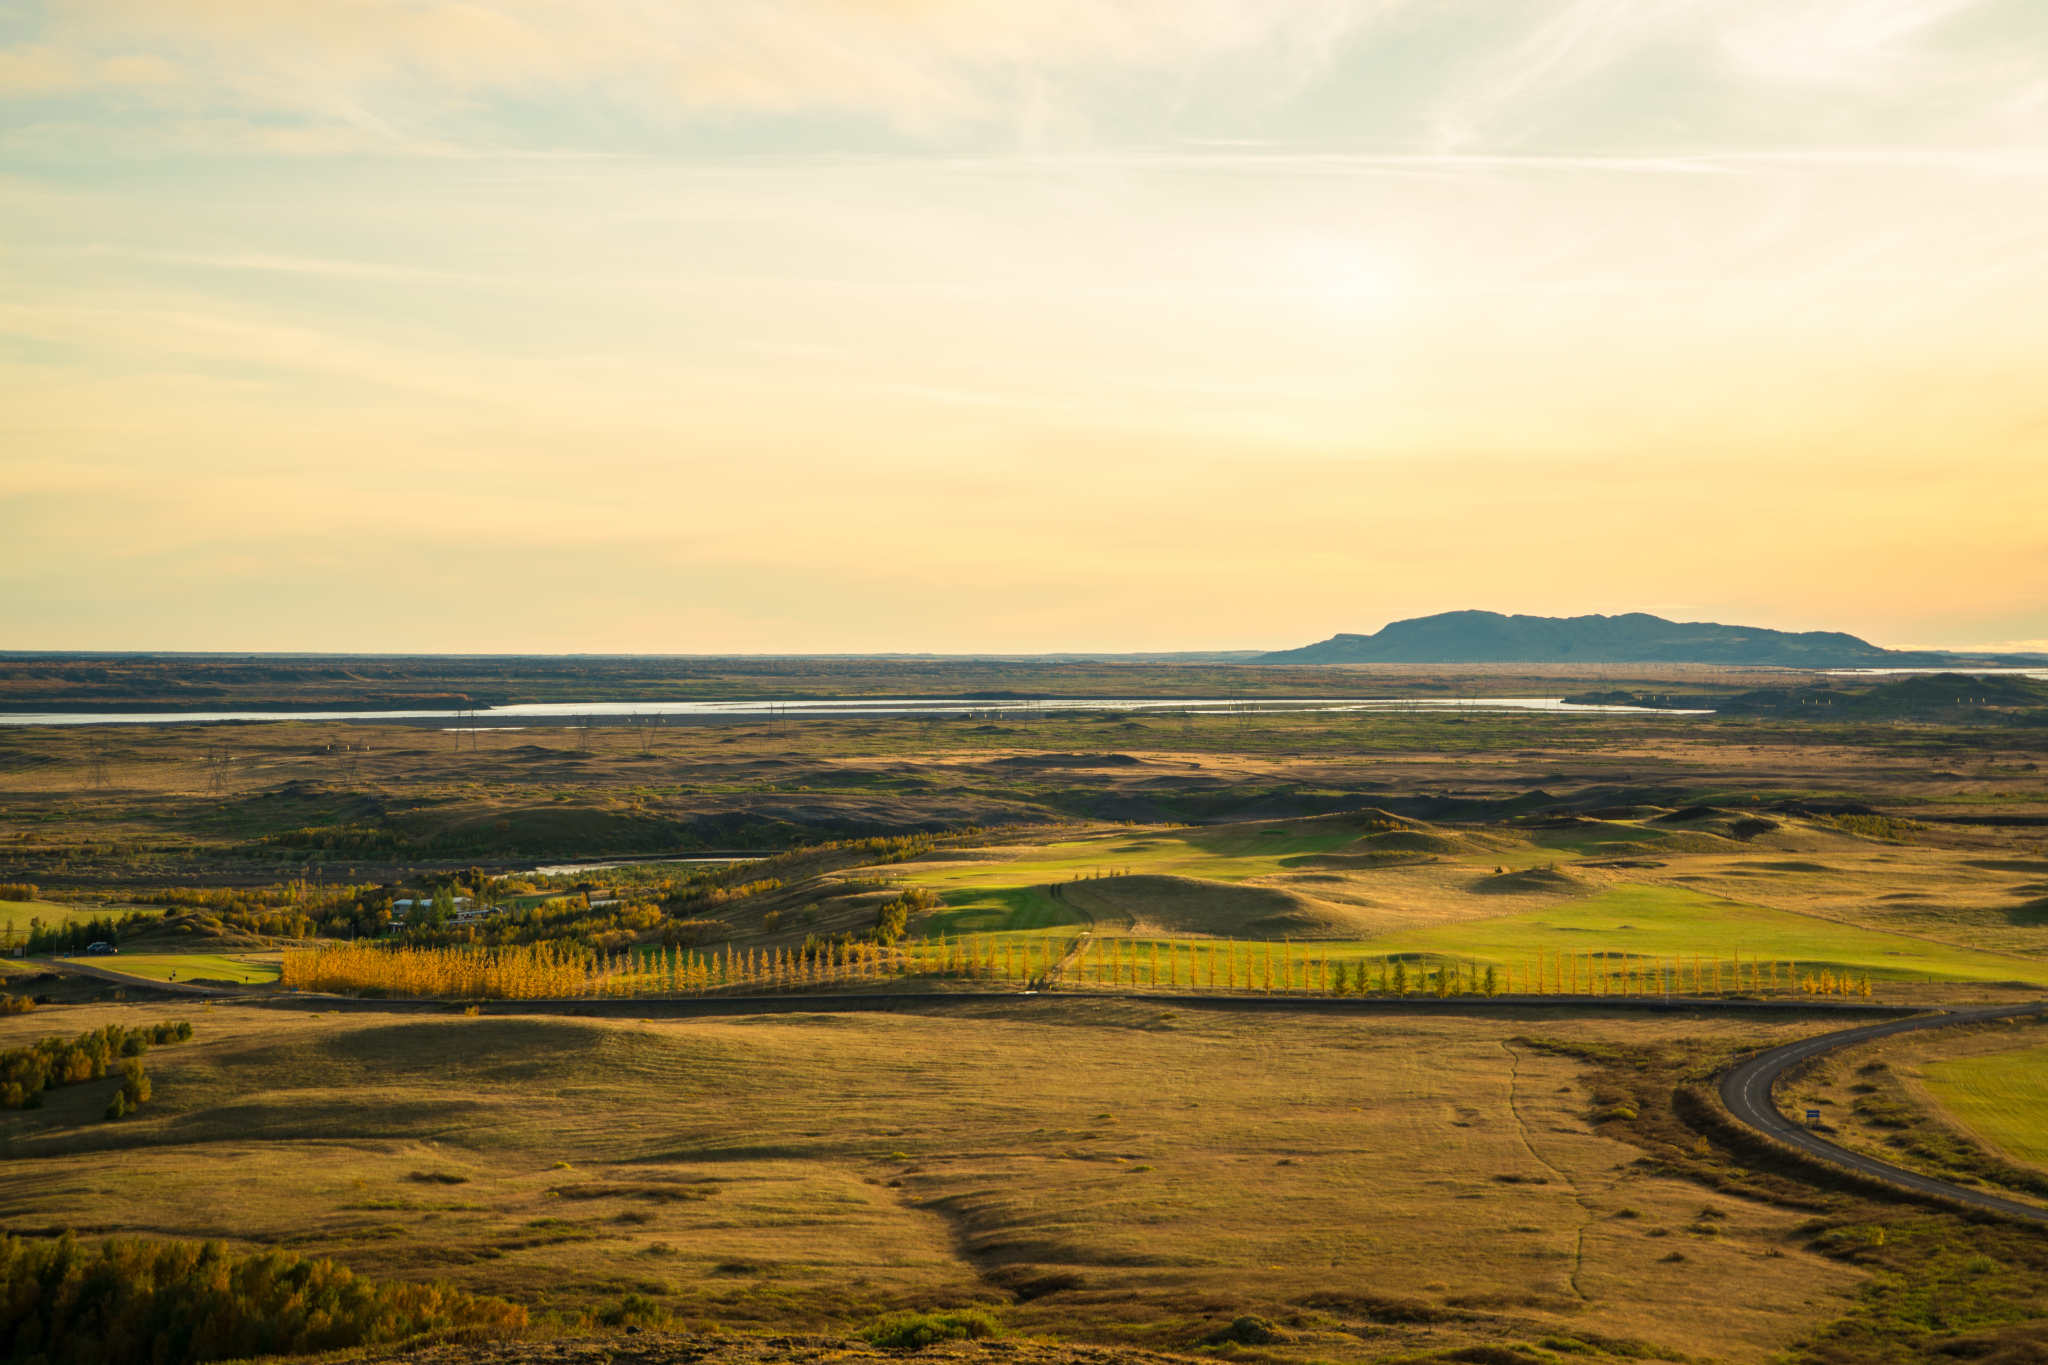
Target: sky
(686,326)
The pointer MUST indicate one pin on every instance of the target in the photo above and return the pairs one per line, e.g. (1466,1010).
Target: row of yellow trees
(556,971)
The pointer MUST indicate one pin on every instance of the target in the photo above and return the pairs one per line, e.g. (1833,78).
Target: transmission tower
(96,766)
(217,761)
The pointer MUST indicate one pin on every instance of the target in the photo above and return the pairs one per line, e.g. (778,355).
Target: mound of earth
(1369,820)
(1411,841)
(1361,862)
(1190,907)
(1726,823)
(1686,815)
(178,932)
(1069,761)
(1530,881)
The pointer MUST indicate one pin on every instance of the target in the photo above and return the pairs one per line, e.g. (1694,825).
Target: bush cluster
(176,1303)
(134,1091)
(912,1331)
(893,918)
(1884,827)
(17,891)
(25,1072)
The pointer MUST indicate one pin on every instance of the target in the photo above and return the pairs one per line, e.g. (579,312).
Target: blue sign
(1813,1116)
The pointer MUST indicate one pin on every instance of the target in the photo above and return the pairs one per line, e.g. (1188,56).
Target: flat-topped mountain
(1487,637)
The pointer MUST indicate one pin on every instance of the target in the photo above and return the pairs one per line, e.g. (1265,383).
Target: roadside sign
(1813,1116)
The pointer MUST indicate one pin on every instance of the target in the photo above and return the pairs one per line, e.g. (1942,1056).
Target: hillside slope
(1636,637)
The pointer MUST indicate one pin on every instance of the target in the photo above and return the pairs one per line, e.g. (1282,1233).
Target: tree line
(26,1072)
(181,1303)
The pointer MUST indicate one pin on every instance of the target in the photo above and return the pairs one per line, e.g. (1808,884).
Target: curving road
(1747,1092)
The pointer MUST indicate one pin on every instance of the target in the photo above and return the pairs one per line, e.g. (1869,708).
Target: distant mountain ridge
(1487,637)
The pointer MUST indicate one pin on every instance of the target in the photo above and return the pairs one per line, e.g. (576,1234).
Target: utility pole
(96,766)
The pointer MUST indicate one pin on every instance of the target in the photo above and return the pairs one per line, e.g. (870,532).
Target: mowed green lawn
(256,970)
(1669,921)
(1642,921)
(19,913)
(2002,1095)
(1222,857)
(1000,910)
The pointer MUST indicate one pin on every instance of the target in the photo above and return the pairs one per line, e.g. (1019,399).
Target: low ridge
(1454,637)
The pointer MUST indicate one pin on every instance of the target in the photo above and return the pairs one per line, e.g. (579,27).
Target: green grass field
(15,917)
(1670,921)
(1225,857)
(1640,921)
(254,969)
(1001,909)
(2002,1095)
(19,913)
(1643,920)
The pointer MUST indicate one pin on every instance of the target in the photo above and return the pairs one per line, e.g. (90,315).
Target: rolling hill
(1636,637)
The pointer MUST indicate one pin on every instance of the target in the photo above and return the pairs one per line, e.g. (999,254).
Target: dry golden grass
(1179,1168)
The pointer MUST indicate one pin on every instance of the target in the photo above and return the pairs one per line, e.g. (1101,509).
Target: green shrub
(1250,1330)
(117,1107)
(134,1083)
(635,1309)
(910,1331)
(179,1303)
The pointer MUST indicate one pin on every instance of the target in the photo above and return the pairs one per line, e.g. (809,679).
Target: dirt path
(1578,1195)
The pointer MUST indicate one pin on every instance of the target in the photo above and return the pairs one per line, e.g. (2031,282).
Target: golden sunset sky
(902,325)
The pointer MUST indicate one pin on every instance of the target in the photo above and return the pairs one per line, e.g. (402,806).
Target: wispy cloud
(1609,75)
(1855,44)
(918,66)
(1192,313)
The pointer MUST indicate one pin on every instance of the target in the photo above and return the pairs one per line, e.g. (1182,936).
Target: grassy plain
(1488,896)
(1678,924)
(1117,1172)
(1110,1172)
(2002,1096)
(17,914)
(251,968)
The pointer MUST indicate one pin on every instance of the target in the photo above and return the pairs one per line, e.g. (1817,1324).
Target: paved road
(1747,1092)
